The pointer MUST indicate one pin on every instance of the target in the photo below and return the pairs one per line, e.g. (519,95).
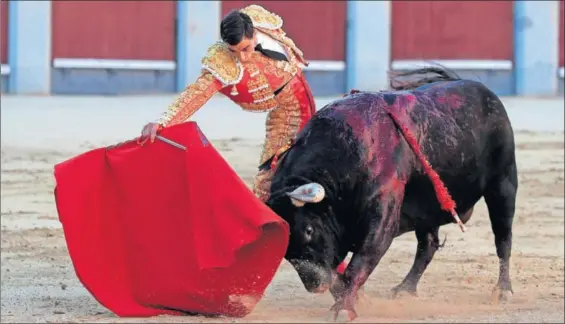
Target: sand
(39,284)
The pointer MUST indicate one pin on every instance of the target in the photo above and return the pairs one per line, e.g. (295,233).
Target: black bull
(354,180)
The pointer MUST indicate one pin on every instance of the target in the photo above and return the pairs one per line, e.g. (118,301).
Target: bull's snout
(314,284)
(315,278)
(320,289)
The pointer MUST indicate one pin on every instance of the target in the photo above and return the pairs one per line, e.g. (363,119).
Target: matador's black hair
(235,26)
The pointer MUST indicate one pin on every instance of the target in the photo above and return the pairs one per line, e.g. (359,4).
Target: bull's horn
(308,193)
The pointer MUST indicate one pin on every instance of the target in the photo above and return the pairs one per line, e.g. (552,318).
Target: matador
(259,68)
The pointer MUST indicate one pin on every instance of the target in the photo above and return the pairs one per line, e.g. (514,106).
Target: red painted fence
(561,32)
(114,29)
(317,27)
(4,32)
(467,30)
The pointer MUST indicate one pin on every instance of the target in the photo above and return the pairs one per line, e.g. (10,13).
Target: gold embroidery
(260,90)
(262,95)
(293,59)
(263,18)
(282,126)
(252,69)
(222,64)
(191,99)
(282,123)
(234,92)
(255,84)
(262,185)
(281,70)
(259,107)
(271,24)
(279,152)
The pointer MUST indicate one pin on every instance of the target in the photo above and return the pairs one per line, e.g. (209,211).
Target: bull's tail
(442,194)
(421,76)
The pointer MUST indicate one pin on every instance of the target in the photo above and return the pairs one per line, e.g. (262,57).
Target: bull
(371,166)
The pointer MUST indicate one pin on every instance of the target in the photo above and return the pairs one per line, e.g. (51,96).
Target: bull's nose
(321,289)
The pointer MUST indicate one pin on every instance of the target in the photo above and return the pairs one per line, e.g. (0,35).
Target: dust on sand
(39,283)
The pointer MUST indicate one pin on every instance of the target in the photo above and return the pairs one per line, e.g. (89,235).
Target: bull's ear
(308,193)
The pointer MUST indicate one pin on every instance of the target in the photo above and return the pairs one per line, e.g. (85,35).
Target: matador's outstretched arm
(191,99)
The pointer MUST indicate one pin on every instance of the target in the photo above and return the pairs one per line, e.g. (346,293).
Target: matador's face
(245,48)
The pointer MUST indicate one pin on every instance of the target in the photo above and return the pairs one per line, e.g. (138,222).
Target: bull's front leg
(384,223)
(359,269)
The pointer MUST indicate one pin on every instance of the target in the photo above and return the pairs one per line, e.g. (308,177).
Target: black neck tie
(271,54)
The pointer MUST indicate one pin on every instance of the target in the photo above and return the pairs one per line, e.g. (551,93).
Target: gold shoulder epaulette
(222,64)
(271,24)
(262,18)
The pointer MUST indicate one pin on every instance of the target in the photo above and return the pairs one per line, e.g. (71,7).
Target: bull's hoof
(342,316)
(403,291)
(500,295)
(343,310)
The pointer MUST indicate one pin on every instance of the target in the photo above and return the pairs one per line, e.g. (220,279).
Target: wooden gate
(561,33)
(318,28)
(452,30)
(108,47)
(114,29)
(4,32)
(473,37)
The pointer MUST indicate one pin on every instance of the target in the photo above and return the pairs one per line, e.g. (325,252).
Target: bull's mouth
(315,278)
(320,289)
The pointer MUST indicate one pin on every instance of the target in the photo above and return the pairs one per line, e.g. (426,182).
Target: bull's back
(465,135)
(459,121)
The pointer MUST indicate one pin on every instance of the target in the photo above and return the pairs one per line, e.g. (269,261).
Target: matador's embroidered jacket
(260,85)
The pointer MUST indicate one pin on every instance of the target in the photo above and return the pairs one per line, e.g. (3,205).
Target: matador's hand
(149,132)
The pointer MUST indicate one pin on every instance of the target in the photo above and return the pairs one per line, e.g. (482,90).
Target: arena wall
(111,48)
(472,38)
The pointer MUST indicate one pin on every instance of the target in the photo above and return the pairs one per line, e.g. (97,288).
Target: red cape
(160,230)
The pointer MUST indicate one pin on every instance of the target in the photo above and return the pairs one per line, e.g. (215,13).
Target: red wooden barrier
(561,33)
(4,32)
(114,29)
(467,30)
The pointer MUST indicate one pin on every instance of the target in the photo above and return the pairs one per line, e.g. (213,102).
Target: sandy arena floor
(39,284)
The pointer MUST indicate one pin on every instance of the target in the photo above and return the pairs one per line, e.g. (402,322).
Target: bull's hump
(389,98)
(352,102)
